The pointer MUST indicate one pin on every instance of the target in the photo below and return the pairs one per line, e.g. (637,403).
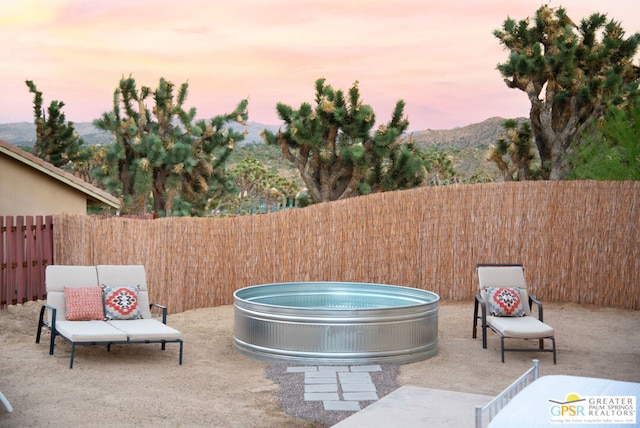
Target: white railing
(494,406)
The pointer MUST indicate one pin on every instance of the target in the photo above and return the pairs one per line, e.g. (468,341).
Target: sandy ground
(139,386)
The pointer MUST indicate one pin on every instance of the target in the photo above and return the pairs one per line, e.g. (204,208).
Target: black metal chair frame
(54,332)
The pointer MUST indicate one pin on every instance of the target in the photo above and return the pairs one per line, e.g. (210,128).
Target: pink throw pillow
(84,303)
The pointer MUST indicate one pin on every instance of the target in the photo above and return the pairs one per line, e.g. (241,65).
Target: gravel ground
(142,386)
(291,394)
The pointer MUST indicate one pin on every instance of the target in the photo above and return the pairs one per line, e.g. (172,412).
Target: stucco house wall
(25,191)
(30,186)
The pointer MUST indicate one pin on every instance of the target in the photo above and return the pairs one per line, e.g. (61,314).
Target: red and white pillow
(505,302)
(121,302)
(83,303)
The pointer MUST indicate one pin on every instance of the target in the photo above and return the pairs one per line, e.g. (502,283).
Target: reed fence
(26,247)
(578,240)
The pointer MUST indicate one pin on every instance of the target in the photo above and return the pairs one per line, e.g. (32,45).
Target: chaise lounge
(506,308)
(102,305)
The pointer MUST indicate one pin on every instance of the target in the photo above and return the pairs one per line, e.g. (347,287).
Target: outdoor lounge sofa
(122,317)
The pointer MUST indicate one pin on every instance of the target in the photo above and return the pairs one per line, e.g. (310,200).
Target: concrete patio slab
(413,407)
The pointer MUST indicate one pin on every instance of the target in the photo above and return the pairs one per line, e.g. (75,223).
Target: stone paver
(358,387)
(321,387)
(340,388)
(360,396)
(349,406)
(370,368)
(354,377)
(333,368)
(319,379)
(302,369)
(321,396)
(318,374)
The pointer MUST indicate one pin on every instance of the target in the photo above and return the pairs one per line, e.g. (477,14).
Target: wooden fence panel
(4,271)
(26,248)
(39,238)
(19,259)
(11,262)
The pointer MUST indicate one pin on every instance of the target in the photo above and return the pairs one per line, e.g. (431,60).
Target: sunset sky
(438,56)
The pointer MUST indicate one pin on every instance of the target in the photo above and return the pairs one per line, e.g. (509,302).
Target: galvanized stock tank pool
(335,323)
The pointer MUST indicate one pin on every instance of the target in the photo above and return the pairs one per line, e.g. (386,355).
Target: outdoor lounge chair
(506,308)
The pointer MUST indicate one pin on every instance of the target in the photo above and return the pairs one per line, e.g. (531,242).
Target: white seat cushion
(526,327)
(89,331)
(145,329)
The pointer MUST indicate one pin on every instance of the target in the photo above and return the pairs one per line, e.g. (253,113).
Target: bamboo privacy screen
(578,241)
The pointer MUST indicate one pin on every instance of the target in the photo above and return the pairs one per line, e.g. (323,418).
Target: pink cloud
(440,57)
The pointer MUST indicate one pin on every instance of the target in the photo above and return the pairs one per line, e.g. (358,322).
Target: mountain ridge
(23,134)
(467,146)
(480,134)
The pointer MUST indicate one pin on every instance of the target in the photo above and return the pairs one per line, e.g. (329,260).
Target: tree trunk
(541,138)
(550,134)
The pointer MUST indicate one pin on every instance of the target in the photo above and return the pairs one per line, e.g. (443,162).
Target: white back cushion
(59,276)
(119,275)
(501,276)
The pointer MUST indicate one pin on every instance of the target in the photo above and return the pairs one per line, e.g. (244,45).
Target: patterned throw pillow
(505,302)
(121,303)
(83,303)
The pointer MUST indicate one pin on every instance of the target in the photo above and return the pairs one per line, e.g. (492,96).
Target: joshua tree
(336,152)
(57,142)
(257,184)
(162,153)
(514,156)
(571,73)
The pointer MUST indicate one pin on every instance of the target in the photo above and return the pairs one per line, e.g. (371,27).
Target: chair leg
(553,344)
(52,342)
(40,324)
(484,337)
(73,352)
(502,347)
(475,318)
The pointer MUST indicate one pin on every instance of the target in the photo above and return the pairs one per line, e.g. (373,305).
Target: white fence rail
(488,412)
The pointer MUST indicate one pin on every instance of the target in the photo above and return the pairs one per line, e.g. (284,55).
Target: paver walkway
(343,388)
(340,388)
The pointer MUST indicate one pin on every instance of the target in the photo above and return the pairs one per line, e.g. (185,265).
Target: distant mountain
(480,135)
(467,145)
(23,134)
